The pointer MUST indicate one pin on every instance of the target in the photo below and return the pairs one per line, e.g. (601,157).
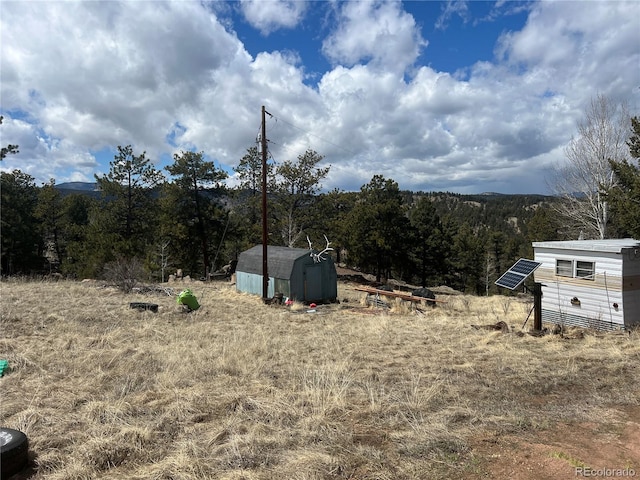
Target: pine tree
(128,212)
(78,259)
(247,212)
(625,197)
(430,245)
(191,213)
(297,184)
(49,213)
(378,228)
(21,245)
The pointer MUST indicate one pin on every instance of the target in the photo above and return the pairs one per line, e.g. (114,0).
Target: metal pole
(265,274)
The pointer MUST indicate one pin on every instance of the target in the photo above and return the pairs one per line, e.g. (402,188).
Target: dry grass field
(240,390)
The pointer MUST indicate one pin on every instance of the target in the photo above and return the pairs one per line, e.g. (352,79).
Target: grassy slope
(242,390)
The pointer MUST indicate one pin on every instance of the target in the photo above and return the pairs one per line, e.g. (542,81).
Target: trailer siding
(609,299)
(631,285)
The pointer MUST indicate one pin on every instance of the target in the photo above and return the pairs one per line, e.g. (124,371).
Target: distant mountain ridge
(93,187)
(83,186)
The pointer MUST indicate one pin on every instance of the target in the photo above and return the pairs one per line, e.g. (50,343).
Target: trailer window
(585,270)
(564,268)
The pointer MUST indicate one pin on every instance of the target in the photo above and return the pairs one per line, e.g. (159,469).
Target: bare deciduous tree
(582,182)
(163,254)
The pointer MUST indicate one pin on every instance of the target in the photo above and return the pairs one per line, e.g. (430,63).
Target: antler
(317,257)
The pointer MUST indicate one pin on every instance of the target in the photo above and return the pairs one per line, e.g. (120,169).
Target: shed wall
(297,278)
(314,282)
(252,283)
(295,274)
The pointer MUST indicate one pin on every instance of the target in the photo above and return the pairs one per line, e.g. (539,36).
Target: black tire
(424,293)
(144,306)
(14,452)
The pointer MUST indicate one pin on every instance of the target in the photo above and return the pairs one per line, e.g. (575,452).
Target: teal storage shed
(292,272)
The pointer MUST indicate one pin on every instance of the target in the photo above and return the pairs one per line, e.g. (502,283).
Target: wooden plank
(403,296)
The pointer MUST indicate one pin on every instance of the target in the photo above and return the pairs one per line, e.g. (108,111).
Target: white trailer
(590,283)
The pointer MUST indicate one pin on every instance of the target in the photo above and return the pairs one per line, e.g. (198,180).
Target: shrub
(124,272)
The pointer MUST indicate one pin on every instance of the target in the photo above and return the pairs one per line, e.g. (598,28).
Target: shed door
(313,282)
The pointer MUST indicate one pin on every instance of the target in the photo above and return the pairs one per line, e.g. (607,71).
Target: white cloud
(99,74)
(44,157)
(375,32)
(272,15)
(81,77)
(452,8)
(236,95)
(580,50)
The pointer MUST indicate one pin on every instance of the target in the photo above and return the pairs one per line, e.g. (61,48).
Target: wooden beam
(403,296)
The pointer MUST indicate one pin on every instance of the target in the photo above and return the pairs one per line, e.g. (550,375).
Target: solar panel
(510,280)
(517,274)
(524,266)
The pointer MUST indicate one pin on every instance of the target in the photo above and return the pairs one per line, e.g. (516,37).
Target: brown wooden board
(403,296)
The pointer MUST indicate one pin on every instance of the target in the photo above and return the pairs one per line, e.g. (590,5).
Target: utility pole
(265,273)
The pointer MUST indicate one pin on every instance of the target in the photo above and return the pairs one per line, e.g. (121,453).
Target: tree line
(190,219)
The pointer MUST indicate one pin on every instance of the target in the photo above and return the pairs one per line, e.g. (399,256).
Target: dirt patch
(567,450)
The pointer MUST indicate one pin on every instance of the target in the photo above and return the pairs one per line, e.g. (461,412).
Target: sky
(459,96)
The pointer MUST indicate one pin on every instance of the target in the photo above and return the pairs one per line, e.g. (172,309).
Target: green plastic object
(187,298)
(4,365)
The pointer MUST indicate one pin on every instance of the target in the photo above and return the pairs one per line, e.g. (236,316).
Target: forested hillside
(140,222)
(134,218)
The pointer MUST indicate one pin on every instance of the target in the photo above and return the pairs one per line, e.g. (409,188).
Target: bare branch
(583,182)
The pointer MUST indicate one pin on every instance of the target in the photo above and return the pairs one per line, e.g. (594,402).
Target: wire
(221,240)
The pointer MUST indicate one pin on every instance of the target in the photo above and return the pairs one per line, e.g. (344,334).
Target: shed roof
(612,245)
(280,260)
